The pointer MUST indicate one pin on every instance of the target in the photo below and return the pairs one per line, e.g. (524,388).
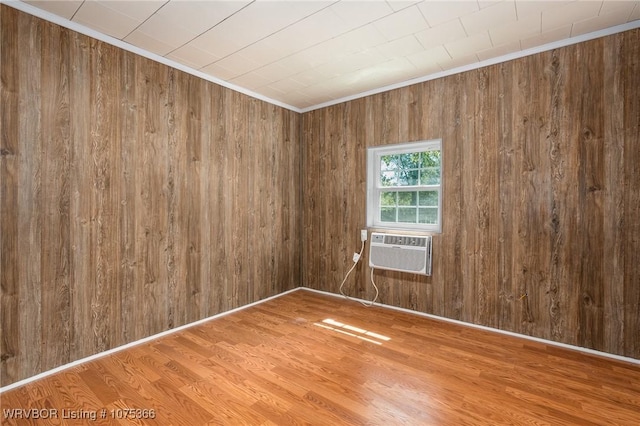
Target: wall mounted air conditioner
(397,252)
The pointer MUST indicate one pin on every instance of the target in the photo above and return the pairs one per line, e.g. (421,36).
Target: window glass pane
(388,214)
(428,198)
(430,176)
(407,198)
(430,159)
(408,177)
(388,198)
(428,215)
(388,179)
(407,214)
(409,161)
(388,162)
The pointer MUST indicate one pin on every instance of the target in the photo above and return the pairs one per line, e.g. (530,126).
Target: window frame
(375,188)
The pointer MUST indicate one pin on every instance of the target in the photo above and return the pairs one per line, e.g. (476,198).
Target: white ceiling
(306,54)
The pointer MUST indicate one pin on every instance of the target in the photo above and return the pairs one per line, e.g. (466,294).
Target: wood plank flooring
(309,358)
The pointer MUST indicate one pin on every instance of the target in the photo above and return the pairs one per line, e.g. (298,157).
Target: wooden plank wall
(541,224)
(134,198)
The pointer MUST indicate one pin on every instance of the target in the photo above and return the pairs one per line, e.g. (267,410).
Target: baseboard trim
(135,343)
(377,304)
(485,328)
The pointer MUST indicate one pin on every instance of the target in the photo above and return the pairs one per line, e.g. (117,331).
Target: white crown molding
(27,8)
(47,16)
(504,58)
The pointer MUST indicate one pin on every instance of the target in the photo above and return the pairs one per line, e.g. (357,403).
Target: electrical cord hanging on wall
(356,259)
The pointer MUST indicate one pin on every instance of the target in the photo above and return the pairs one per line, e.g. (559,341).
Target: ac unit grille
(397,252)
(405,240)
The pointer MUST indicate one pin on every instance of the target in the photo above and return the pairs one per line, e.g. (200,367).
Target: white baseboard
(482,327)
(381,305)
(137,342)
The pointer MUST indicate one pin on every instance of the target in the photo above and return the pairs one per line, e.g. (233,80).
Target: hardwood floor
(309,358)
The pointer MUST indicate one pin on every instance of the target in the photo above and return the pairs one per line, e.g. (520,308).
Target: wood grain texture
(136,198)
(9,214)
(540,231)
(282,362)
(630,117)
(129,191)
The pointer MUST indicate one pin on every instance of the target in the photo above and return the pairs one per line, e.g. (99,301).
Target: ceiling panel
(441,34)
(430,59)
(535,7)
(308,53)
(63,8)
(609,15)
(490,17)
(469,46)
(106,20)
(193,56)
(546,37)
(402,23)
(500,50)
(436,14)
(359,13)
(401,47)
(569,13)
(527,26)
(116,18)
(149,43)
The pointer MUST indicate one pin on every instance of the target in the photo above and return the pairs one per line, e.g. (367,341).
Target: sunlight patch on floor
(350,330)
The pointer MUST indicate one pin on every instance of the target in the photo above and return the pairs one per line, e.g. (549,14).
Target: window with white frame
(404,184)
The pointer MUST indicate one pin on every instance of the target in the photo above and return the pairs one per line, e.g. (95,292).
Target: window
(404,186)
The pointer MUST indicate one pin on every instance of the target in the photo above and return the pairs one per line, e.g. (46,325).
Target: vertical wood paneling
(613,202)
(540,231)
(486,166)
(590,142)
(55,257)
(191,189)
(10,32)
(30,208)
(630,115)
(218,192)
(470,213)
(128,192)
(451,283)
(175,161)
(129,158)
(566,199)
(532,267)
(356,183)
(562,219)
(521,160)
(151,212)
(335,205)
(241,149)
(136,198)
(310,132)
(103,142)
(81,207)
(203,227)
(507,295)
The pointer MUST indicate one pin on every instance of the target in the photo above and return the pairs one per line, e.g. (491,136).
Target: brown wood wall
(134,198)
(541,219)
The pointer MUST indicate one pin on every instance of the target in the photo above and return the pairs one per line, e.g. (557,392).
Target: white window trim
(373,188)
